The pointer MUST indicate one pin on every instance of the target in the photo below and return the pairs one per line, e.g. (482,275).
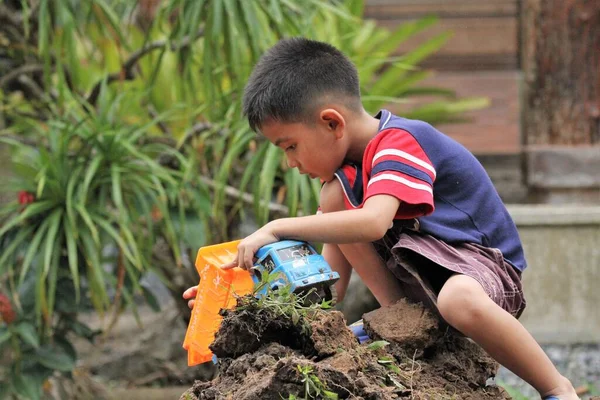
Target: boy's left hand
(250,245)
(190,295)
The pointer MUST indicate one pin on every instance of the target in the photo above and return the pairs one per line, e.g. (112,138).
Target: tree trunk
(561,64)
(560,58)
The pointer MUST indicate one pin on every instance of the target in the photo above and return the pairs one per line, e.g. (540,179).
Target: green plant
(284,302)
(96,183)
(29,360)
(396,377)
(93,198)
(187,58)
(313,386)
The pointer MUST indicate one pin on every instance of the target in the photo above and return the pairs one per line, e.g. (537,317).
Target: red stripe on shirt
(415,201)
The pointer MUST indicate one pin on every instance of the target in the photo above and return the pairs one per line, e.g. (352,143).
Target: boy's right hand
(190,294)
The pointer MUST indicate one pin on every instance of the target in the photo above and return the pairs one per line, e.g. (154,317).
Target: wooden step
(485,33)
(493,130)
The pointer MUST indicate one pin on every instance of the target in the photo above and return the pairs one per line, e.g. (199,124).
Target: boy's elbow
(380,232)
(378,227)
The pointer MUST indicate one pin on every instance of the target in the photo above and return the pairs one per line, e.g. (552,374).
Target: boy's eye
(289,148)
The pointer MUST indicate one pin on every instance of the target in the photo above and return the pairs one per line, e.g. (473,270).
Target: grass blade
(11,249)
(70,235)
(32,251)
(32,210)
(51,244)
(267,180)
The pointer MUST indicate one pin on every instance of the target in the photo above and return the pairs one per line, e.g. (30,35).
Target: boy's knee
(332,197)
(461,301)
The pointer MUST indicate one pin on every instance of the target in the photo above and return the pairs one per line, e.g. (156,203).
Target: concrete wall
(562,281)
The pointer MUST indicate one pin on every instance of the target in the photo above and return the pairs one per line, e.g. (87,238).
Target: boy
(408,208)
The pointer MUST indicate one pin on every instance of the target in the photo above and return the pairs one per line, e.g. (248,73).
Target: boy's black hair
(292,77)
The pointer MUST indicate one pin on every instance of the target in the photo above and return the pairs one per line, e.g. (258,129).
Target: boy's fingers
(191,304)
(190,292)
(230,264)
(246,259)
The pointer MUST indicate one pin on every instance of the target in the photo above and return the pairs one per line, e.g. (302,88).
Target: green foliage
(378,344)
(97,185)
(396,376)
(284,302)
(92,185)
(314,388)
(32,358)
(388,362)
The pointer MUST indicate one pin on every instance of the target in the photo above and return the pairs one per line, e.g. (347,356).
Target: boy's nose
(292,163)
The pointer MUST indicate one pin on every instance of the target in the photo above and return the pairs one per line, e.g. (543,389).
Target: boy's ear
(333,120)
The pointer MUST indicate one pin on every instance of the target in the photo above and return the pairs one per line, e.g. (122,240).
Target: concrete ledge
(549,215)
(562,281)
(561,167)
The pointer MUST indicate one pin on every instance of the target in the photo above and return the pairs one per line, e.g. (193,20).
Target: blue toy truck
(298,265)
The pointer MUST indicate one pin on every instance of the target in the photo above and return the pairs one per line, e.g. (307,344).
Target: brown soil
(262,356)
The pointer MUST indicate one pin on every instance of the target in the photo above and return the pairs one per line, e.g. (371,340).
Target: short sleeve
(401,168)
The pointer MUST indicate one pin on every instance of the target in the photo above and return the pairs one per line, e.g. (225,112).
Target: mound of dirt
(264,355)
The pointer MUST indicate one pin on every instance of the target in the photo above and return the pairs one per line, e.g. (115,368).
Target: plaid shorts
(423,264)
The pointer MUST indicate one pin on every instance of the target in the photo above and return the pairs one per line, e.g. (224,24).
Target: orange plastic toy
(215,291)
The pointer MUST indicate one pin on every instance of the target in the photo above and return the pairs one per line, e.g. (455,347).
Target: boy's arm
(366,224)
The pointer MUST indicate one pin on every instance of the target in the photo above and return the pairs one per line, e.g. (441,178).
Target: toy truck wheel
(320,294)
(332,294)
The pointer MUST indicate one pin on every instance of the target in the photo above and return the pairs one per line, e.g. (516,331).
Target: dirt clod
(266,355)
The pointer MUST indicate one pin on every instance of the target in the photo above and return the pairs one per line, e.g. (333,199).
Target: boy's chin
(329,178)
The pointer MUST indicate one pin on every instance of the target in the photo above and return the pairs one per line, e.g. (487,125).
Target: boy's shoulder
(429,138)
(415,127)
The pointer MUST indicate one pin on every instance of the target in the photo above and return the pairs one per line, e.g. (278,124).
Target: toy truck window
(268,264)
(294,252)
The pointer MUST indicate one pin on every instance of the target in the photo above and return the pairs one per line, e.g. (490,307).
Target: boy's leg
(464,304)
(361,256)
(335,258)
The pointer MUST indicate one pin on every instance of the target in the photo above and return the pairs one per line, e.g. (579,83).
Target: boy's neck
(362,128)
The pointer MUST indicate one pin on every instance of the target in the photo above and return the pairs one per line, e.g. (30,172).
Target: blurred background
(123,150)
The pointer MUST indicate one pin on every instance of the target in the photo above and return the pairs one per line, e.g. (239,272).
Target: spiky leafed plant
(92,199)
(93,183)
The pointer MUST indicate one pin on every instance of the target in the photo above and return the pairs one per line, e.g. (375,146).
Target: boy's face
(316,150)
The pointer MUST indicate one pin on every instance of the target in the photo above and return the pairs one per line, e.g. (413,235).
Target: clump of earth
(264,354)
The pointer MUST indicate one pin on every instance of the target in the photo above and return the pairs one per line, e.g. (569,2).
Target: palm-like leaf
(95,186)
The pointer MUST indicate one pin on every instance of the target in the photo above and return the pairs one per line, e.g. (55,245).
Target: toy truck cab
(296,264)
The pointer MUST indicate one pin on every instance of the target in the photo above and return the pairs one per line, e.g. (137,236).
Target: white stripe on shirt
(401,180)
(406,156)
(387,120)
(344,189)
